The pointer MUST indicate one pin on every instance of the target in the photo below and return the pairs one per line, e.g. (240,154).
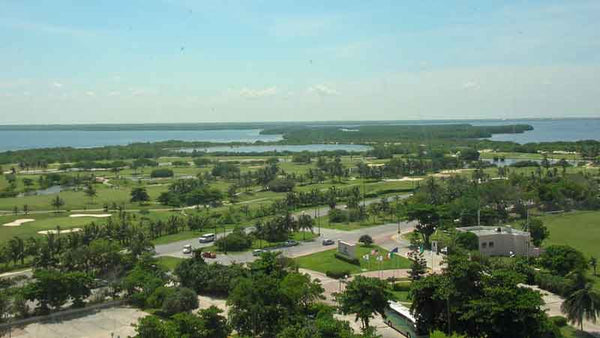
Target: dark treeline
(389,133)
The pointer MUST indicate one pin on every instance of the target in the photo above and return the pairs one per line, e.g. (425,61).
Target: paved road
(383,235)
(175,248)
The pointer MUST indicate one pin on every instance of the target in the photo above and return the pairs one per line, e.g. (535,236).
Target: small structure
(502,241)
(347,249)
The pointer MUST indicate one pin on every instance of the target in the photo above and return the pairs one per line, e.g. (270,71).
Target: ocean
(544,131)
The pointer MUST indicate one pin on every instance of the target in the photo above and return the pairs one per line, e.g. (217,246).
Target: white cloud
(57,85)
(90,93)
(323,90)
(258,93)
(470,85)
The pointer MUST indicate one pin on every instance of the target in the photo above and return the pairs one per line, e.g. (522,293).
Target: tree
(182,300)
(139,195)
(16,249)
(418,267)
(562,259)
(582,304)
(300,290)
(152,326)
(214,324)
(427,217)
(90,192)
(305,222)
(366,240)
(364,297)
(538,231)
(57,203)
(49,289)
(467,240)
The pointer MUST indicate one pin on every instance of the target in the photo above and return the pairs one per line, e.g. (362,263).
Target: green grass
(401,296)
(42,222)
(349,226)
(326,261)
(580,229)
(168,262)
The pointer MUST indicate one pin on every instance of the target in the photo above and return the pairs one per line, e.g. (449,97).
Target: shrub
(553,283)
(180,163)
(163,172)
(559,321)
(401,286)
(157,298)
(366,240)
(201,162)
(182,300)
(467,240)
(337,274)
(337,216)
(281,185)
(345,258)
(562,259)
(238,240)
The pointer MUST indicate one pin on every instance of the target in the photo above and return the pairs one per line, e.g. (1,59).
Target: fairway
(326,261)
(580,229)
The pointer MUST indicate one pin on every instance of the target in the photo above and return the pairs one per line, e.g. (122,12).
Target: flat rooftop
(493,230)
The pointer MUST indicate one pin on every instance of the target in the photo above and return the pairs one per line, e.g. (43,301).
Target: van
(206,238)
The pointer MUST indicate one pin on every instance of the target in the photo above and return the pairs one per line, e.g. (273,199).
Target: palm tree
(57,203)
(305,222)
(17,249)
(582,304)
(90,192)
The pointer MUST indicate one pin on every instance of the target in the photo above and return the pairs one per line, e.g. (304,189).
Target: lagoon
(281,148)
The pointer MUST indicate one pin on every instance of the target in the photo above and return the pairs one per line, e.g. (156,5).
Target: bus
(398,317)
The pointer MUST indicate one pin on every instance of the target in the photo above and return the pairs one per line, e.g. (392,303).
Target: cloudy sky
(196,61)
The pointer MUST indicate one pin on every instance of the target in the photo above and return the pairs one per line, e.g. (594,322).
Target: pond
(281,148)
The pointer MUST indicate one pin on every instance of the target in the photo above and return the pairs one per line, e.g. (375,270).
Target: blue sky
(194,61)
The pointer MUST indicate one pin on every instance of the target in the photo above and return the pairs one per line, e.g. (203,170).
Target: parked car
(257,252)
(328,242)
(291,242)
(206,238)
(209,254)
(187,249)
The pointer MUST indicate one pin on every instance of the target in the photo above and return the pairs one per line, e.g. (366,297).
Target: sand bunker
(90,215)
(45,232)
(18,222)
(403,179)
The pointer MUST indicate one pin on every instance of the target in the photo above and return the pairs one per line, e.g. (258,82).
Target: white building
(502,241)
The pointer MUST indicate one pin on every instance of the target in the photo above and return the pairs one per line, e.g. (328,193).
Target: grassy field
(326,261)
(580,229)
(168,262)
(349,226)
(42,222)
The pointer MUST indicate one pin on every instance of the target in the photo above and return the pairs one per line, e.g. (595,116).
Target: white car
(206,238)
(187,249)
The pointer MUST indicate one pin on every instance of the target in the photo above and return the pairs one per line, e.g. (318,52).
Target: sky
(202,61)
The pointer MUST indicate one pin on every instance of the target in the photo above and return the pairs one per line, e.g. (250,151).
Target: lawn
(42,222)
(326,261)
(323,221)
(168,262)
(579,229)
